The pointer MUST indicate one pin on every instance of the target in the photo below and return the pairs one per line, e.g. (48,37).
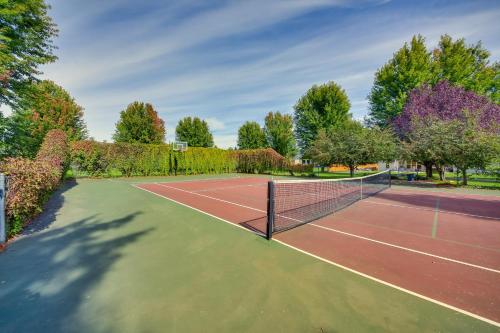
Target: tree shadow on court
(45,276)
(50,210)
(455,204)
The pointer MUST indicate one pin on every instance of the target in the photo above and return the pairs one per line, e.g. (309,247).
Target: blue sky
(232,61)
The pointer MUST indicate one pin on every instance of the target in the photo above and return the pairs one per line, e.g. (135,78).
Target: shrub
(87,156)
(29,186)
(300,169)
(30,182)
(55,150)
(259,160)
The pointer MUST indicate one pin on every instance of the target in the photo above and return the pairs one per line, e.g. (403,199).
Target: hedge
(94,159)
(30,182)
(259,160)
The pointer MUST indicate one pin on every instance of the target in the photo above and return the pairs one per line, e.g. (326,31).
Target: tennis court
(443,247)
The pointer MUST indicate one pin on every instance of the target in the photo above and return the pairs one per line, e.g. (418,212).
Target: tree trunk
(428,169)
(441,171)
(464,176)
(351,171)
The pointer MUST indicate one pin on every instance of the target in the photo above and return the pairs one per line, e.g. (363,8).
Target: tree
(43,106)
(443,102)
(139,123)
(466,66)
(430,142)
(352,145)
(26,42)
(278,131)
(322,107)
(409,67)
(195,132)
(472,148)
(413,66)
(251,136)
(459,142)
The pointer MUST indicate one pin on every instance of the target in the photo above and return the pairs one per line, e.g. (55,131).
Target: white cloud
(211,64)
(225,141)
(215,124)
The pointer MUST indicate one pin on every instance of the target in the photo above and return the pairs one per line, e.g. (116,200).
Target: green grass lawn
(111,258)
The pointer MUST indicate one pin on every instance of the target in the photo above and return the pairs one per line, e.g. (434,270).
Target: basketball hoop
(181,146)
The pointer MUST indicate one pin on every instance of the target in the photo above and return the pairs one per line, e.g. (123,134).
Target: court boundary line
(209,197)
(407,291)
(401,188)
(432,210)
(435,222)
(388,284)
(187,180)
(228,187)
(350,220)
(198,210)
(347,233)
(406,248)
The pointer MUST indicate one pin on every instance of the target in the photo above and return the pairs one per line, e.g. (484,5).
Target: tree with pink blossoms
(447,102)
(447,125)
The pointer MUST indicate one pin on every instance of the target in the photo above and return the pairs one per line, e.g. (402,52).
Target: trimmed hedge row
(95,159)
(259,160)
(30,182)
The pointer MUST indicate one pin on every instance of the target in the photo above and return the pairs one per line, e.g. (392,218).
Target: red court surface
(441,246)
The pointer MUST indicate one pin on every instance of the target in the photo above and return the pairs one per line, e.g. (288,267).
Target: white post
(361,187)
(3,193)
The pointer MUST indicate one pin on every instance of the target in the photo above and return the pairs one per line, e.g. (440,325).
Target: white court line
(230,187)
(444,194)
(185,180)
(209,197)
(448,306)
(430,209)
(406,248)
(432,300)
(349,234)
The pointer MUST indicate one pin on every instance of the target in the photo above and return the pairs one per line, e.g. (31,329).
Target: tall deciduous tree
(195,132)
(251,136)
(42,107)
(26,42)
(322,107)
(352,145)
(413,65)
(278,131)
(139,123)
(410,67)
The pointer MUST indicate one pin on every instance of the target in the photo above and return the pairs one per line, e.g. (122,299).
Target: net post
(361,188)
(390,178)
(270,209)
(3,224)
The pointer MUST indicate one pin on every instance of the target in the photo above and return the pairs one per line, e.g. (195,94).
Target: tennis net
(295,202)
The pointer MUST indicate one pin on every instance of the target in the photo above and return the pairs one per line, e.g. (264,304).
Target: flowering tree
(449,125)
(446,102)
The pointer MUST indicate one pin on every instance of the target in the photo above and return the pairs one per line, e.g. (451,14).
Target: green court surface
(107,257)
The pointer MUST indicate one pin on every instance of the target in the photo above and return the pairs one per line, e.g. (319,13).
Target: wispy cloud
(232,62)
